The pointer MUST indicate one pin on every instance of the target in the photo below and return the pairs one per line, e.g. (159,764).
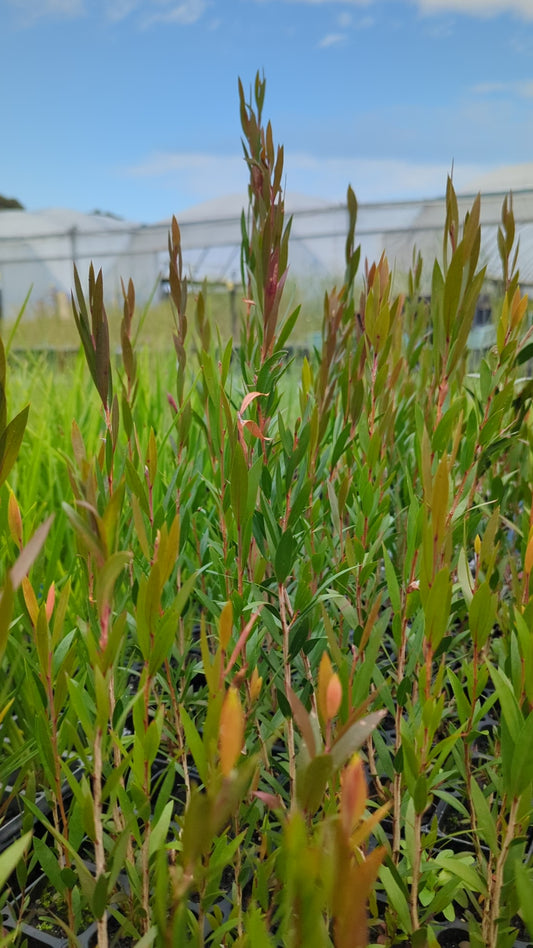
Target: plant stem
(287,674)
(495,882)
(417,856)
(99,852)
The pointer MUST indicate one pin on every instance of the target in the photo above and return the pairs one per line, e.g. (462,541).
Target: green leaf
(195,745)
(522,761)
(465,577)
(482,614)
(443,898)
(354,737)
(239,485)
(137,487)
(7,599)
(485,820)
(285,556)
(49,864)
(256,928)
(392,583)
(107,577)
(163,641)
(508,703)
(420,796)
(468,875)
(524,888)
(100,895)
(437,608)
(396,897)
(287,327)
(10,442)
(197,835)
(159,831)
(10,857)
(152,737)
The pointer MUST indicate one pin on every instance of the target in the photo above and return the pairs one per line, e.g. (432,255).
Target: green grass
(43,328)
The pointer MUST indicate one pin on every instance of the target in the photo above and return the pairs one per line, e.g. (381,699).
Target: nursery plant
(265,621)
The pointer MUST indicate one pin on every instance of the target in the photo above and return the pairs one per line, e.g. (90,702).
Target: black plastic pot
(40,937)
(11,828)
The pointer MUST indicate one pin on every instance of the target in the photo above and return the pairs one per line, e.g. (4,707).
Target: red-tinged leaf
(91,540)
(303,720)
(351,896)
(353,797)
(230,731)
(367,826)
(29,554)
(14,520)
(248,399)
(333,696)
(31,600)
(241,641)
(78,446)
(271,800)
(325,671)
(107,577)
(255,430)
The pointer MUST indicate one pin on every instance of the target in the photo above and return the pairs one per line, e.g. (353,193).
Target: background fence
(38,250)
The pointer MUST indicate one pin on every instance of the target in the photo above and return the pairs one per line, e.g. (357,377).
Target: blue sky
(131,106)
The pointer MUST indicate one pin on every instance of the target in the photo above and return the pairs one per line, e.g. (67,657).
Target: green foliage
(265,623)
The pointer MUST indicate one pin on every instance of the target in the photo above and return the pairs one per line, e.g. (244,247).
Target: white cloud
(377,179)
(344,19)
(157,11)
(332,39)
(119,9)
(185,12)
(522,89)
(483,8)
(348,3)
(30,10)
(203,176)
(365,23)
(164,11)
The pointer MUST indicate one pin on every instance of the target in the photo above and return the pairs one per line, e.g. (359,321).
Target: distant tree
(10,204)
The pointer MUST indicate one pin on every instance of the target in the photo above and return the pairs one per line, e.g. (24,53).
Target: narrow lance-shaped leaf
(10,442)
